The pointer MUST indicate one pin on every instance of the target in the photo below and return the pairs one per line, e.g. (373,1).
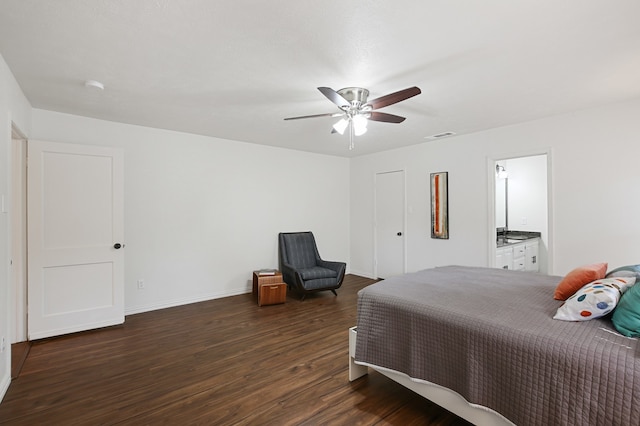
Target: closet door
(389,224)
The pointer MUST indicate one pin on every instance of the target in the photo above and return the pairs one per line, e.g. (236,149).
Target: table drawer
(272,294)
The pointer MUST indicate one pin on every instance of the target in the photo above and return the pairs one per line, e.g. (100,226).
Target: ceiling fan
(355,110)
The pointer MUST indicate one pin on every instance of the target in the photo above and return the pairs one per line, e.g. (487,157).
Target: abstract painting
(439,205)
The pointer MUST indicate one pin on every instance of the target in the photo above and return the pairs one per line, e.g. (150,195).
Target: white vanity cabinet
(531,256)
(504,257)
(519,251)
(519,257)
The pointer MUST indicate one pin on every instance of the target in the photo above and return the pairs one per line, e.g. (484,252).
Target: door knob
(117,246)
(399,234)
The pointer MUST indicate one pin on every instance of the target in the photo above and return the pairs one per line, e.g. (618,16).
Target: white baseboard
(130,310)
(4,385)
(362,274)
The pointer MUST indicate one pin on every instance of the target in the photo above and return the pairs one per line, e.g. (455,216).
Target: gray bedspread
(488,334)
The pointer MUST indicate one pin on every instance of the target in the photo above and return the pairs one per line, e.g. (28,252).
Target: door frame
(404,218)
(491,219)
(18,237)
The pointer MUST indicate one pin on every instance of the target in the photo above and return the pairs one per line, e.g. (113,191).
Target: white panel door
(390,257)
(75,236)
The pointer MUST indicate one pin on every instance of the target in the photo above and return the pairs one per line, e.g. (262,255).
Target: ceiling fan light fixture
(359,125)
(341,126)
(356,110)
(359,131)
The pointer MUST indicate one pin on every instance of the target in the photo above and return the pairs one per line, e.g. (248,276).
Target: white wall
(467,205)
(594,186)
(14,107)
(201,213)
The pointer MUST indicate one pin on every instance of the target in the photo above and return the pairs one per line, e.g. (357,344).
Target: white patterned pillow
(594,300)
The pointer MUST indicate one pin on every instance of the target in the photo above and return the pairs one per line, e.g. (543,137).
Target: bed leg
(355,371)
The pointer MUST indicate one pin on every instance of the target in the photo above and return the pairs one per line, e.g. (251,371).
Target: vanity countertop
(515,237)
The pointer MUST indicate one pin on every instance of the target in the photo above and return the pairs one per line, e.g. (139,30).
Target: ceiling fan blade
(335,97)
(387,118)
(393,98)
(329,114)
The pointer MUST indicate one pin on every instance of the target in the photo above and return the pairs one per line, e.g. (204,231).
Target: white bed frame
(477,414)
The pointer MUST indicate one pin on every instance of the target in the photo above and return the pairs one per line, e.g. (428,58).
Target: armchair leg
(334,292)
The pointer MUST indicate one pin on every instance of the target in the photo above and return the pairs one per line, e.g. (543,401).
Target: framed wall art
(439,205)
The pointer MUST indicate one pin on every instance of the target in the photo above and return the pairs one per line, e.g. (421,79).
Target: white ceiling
(235,68)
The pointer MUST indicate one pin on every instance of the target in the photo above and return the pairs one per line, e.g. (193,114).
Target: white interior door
(75,224)
(390,256)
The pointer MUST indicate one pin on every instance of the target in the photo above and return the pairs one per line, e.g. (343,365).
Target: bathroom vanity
(517,250)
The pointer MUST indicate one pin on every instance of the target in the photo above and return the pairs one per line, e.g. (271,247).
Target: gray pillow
(625,271)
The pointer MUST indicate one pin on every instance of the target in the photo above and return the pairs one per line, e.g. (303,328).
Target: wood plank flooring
(222,362)
(19,352)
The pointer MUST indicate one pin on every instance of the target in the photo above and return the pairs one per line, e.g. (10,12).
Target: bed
(482,343)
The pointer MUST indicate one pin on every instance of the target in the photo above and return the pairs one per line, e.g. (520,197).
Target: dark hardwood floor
(19,352)
(222,362)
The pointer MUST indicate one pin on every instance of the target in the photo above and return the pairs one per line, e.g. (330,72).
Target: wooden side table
(269,289)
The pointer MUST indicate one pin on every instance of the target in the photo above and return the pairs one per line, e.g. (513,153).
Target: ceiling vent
(440,135)
(93,84)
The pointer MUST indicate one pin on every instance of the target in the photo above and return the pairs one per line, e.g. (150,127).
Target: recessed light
(440,135)
(92,84)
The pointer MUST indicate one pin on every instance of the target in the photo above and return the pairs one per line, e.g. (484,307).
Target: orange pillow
(579,277)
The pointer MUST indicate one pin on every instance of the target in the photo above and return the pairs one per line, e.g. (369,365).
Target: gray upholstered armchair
(302,268)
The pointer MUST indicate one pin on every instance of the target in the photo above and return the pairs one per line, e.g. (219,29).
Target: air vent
(440,135)
(92,84)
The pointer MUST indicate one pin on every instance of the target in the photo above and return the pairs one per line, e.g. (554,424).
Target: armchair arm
(291,276)
(339,267)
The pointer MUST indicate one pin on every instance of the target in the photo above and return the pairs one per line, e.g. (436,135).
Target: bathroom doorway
(521,201)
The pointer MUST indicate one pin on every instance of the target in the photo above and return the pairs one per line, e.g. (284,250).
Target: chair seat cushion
(317,272)
(320,284)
